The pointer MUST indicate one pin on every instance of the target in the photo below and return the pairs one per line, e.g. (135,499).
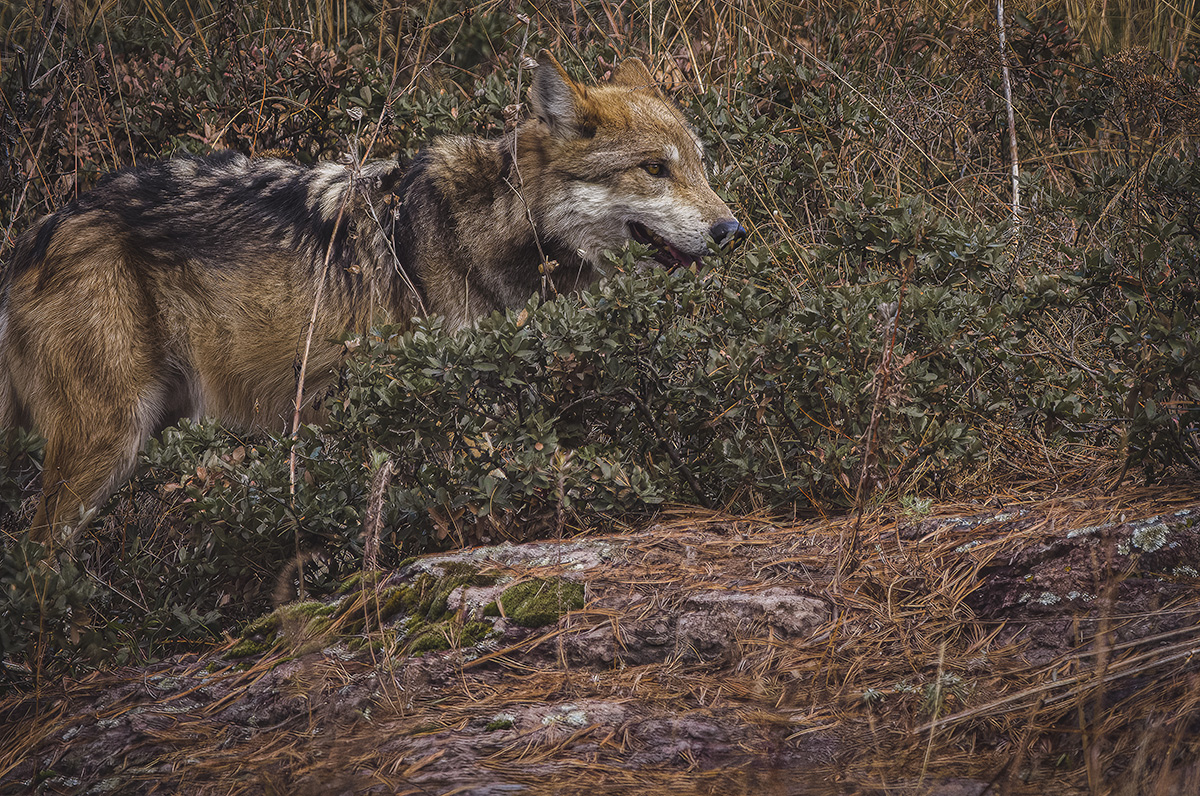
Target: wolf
(188,287)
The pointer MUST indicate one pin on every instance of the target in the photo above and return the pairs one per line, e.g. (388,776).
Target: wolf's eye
(655,169)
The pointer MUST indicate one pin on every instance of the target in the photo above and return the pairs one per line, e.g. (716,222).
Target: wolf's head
(620,162)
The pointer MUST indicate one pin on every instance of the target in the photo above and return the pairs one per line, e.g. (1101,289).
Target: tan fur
(184,288)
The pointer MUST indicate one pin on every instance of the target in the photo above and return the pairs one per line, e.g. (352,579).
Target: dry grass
(907,685)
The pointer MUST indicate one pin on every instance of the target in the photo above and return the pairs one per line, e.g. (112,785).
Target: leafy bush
(20,461)
(890,328)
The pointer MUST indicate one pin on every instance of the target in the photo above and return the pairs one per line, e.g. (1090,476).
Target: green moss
(491,609)
(467,574)
(458,569)
(500,723)
(258,636)
(318,625)
(264,625)
(538,602)
(444,635)
(474,632)
(308,621)
(422,601)
(380,607)
(429,593)
(425,597)
(308,609)
(391,602)
(247,647)
(431,640)
(362,580)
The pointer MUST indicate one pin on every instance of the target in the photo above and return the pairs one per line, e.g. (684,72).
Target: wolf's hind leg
(83,465)
(93,359)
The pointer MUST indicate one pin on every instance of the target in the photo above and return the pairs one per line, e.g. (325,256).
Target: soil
(1030,647)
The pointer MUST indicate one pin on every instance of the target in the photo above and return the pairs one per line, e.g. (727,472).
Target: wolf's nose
(728,233)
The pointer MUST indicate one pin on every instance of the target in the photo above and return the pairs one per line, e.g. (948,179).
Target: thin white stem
(1012,124)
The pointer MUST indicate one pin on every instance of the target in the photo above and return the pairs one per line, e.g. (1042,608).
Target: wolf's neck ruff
(185,287)
(479,232)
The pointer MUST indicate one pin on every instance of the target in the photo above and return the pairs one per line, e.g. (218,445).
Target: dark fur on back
(189,210)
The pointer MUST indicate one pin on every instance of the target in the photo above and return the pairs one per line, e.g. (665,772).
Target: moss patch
(307,625)
(308,622)
(391,602)
(431,640)
(380,607)
(538,602)
(474,632)
(447,634)
(247,647)
(361,580)
(426,596)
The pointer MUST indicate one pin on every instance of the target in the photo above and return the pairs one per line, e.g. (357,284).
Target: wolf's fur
(184,288)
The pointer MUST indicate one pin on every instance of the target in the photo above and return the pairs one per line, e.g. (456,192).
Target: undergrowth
(887,332)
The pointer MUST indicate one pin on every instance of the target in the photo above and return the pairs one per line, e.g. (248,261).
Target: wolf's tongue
(679,258)
(664,252)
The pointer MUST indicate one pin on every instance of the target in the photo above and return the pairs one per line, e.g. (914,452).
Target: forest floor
(1025,644)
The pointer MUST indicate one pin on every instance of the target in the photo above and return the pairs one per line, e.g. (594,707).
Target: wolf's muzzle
(728,233)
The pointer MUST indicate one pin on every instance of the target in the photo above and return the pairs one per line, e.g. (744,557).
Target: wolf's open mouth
(664,252)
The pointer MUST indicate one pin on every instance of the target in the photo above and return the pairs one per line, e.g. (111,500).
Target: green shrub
(20,462)
(888,328)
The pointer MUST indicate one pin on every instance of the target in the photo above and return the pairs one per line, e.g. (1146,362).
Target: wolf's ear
(634,74)
(555,98)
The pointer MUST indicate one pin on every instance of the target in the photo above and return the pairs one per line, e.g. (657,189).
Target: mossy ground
(538,602)
(413,611)
(308,622)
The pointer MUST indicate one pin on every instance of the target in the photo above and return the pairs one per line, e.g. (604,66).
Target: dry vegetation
(990,385)
(1027,646)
